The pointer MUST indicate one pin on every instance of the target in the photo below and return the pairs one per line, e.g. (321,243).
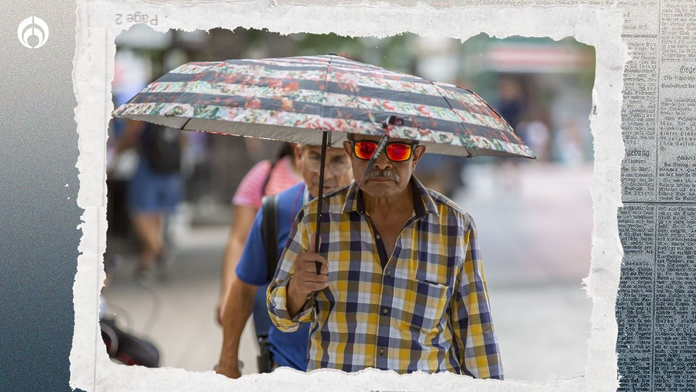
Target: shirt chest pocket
(426,309)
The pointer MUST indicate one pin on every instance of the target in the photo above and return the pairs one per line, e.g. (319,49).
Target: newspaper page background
(653,345)
(655,304)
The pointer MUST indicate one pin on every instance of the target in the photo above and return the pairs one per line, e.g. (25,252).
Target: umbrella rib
(185,124)
(453,111)
(323,91)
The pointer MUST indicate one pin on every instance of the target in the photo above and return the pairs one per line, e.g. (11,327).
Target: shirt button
(381,351)
(385,310)
(378,237)
(389,273)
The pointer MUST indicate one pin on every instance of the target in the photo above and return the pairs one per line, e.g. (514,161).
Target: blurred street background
(534,217)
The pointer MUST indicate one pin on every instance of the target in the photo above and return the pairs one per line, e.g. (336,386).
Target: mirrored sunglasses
(396,151)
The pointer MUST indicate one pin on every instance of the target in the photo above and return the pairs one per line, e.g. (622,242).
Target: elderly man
(401,286)
(286,349)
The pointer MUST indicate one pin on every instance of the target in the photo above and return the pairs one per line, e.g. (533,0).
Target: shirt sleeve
(277,294)
(250,190)
(252,267)
(476,343)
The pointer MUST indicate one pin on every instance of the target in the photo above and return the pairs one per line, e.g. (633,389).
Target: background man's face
(337,171)
(387,178)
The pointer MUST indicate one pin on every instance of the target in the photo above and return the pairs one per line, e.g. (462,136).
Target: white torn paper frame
(99,24)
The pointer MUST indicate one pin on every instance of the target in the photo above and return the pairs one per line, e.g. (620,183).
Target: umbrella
(317,100)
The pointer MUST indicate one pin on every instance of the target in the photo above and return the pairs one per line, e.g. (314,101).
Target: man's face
(337,171)
(387,178)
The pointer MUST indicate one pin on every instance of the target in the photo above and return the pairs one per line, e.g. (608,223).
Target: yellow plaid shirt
(424,308)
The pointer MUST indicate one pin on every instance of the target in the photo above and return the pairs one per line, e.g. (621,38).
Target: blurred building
(556,80)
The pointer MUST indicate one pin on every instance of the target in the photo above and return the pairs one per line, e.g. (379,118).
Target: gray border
(39,232)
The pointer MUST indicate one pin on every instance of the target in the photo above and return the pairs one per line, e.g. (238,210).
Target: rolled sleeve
(277,309)
(277,293)
(477,345)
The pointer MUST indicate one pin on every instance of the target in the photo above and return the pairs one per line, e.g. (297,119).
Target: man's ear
(297,152)
(349,148)
(417,154)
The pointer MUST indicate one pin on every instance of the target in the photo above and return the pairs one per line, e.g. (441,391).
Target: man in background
(254,272)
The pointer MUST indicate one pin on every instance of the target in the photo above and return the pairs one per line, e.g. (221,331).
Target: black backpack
(269,224)
(269,234)
(269,229)
(160,148)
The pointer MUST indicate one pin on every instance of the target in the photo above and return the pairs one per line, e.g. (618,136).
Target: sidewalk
(536,250)
(536,246)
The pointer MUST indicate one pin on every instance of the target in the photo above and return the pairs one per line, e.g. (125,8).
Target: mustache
(386,173)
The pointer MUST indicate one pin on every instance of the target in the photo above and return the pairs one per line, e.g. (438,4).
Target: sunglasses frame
(410,155)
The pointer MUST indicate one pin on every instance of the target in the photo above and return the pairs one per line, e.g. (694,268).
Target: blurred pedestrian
(154,191)
(570,144)
(265,178)
(538,138)
(511,107)
(432,174)
(401,286)
(441,173)
(257,265)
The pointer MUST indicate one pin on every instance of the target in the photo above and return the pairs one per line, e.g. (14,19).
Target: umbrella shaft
(324,142)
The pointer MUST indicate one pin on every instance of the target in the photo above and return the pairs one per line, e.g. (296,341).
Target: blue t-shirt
(288,348)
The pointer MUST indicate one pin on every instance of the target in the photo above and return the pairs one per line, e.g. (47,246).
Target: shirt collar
(306,196)
(423,203)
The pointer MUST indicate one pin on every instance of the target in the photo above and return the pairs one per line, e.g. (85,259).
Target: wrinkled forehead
(375,138)
(330,151)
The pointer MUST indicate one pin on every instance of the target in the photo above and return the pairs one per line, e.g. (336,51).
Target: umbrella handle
(324,142)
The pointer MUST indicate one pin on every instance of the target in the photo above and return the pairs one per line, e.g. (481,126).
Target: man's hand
(238,307)
(305,279)
(228,369)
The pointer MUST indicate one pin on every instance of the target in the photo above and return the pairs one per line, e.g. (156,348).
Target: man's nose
(327,169)
(382,161)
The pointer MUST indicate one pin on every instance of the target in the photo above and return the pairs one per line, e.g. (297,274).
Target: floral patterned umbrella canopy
(296,98)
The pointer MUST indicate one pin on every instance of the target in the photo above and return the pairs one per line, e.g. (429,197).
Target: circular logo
(32,32)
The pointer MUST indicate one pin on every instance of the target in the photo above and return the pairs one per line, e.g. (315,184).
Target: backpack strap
(269,229)
(268,177)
